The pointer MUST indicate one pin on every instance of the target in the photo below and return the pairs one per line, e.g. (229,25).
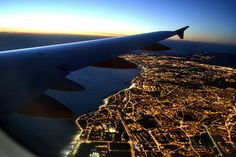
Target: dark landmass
(10,41)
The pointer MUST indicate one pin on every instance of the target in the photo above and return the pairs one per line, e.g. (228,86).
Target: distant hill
(9,41)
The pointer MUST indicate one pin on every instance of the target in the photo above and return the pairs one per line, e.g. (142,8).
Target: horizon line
(6,30)
(100,34)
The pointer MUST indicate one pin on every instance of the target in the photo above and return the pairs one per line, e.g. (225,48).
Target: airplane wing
(27,73)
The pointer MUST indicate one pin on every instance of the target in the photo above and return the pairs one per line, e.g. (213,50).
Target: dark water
(107,82)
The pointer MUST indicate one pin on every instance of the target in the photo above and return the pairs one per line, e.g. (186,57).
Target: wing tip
(180,32)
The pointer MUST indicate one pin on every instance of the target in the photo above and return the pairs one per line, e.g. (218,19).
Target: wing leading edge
(27,73)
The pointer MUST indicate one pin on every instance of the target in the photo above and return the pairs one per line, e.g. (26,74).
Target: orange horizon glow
(120,18)
(31,31)
(77,25)
(80,25)
(203,38)
(188,37)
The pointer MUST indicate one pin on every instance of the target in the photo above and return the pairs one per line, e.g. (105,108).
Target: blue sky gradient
(210,20)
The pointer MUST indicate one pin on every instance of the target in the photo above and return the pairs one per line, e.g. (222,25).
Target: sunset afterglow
(211,20)
(66,25)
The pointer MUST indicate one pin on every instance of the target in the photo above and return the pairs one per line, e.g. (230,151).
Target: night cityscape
(177,106)
(118,78)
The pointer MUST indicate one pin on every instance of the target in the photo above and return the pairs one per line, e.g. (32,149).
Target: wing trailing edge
(156,47)
(117,63)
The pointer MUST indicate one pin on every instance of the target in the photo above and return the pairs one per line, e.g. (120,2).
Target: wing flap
(45,106)
(116,63)
(156,47)
(68,86)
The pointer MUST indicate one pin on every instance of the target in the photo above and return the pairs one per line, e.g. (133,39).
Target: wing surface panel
(27,73)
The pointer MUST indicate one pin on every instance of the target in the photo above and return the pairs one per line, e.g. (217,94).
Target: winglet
(180,32)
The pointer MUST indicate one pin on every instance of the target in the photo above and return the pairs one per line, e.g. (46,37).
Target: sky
(209,20)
